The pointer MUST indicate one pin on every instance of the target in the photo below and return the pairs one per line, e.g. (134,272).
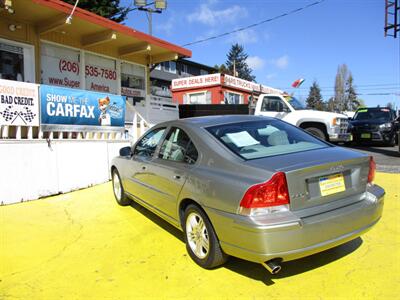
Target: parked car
(253,187)
(374,124)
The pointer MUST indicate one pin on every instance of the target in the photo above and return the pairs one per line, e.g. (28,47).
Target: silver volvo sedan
(252,187)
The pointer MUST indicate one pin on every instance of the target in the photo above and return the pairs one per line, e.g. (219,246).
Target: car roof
(207,121)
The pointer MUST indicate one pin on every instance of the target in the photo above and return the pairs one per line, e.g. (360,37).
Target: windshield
(258,139)
(376,114)
(294,102)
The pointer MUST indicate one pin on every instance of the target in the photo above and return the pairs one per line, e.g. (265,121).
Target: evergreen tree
(351,95)
(314,99)
(237,57)
(222,69)
(330,106)
(109,9)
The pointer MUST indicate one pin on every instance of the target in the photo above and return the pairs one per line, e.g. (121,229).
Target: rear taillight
(372,168)
(272,193)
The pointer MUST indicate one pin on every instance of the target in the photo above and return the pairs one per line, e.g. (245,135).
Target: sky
(309,44)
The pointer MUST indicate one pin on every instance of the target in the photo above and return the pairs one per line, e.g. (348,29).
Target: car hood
(323,114)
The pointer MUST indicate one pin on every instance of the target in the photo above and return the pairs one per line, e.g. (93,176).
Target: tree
(351,95)
(330,105)
(109,9)
(314,99)
(345,92)
(340,87)
(222,69)
(236,59)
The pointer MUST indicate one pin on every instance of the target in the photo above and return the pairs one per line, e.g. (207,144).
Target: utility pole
(159,6)
(392,18)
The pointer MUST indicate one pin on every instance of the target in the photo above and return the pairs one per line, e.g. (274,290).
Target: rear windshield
(378,114)
(258,139)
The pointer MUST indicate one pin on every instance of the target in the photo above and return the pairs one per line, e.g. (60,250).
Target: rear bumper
(289,237)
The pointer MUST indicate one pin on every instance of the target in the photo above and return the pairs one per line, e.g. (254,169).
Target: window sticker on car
(385,110)
(362,110)
(242,139)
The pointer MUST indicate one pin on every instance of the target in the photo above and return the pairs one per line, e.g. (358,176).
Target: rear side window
(177,146)
(257,139)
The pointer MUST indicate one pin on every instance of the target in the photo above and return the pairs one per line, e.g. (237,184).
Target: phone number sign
(101,74)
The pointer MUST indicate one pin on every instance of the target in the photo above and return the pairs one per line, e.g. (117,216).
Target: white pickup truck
(325,125)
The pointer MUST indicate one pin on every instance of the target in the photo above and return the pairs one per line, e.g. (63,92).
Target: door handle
(177,177)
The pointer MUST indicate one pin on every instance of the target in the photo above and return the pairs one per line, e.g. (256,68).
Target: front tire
(316,132)
(201,241)
(118,190)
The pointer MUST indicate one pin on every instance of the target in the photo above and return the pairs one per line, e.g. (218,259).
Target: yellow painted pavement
(82,245)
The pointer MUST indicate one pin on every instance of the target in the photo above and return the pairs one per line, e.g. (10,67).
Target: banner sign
(70,109)
(241,83)
(196,81)
(19,103)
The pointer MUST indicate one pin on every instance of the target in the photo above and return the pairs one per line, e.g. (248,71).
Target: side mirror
(349,118)
(126,151)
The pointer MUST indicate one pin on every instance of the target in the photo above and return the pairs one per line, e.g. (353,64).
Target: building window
(16,61)
(60,66)
(198,98)
(100,74)
(233,98)
(133,81)
(203,72)
(170,66)
(184,69)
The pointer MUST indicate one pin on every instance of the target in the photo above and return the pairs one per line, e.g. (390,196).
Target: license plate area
(365,135)
(331,184)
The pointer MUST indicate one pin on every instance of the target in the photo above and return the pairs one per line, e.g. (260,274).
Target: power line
(255,24)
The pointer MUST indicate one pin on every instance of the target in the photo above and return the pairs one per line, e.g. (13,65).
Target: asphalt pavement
(387,158)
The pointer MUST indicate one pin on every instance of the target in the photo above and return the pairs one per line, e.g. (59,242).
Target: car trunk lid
(329,177)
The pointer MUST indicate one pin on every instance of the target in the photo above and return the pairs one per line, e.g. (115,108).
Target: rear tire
(201,241)
(118,189)
(316,132)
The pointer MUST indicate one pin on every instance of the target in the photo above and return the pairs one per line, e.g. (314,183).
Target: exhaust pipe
(273,265)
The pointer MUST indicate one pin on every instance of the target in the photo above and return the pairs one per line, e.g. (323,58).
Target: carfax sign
(19,103)
(71,109)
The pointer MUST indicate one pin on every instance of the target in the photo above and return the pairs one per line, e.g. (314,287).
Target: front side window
(258,139)
(177,146)
(274,104)
(148,144)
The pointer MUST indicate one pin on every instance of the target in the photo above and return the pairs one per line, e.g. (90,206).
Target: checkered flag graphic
(27,115)
(7,114)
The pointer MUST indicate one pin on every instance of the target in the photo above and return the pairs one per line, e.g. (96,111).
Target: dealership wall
(34,169)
